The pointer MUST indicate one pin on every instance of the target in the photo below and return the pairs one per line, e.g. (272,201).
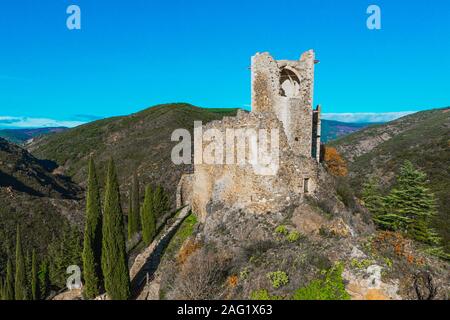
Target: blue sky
(133,54)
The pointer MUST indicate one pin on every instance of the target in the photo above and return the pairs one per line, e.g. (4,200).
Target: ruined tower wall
(317,129)
(265,83)
(291,101)
(282,97)
(239,186)
(306,69)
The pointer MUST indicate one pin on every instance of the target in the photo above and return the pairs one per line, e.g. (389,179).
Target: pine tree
(20,287)
(148,217)
(34,278)
(133,216)
(410,206)
(64,252)
(371,195)
(114,259)
(92,244)
(9,282)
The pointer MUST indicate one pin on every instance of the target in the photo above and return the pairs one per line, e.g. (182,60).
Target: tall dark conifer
(92,244)
(20,285)
(133,215)
(34,278)
(114,258)
(2,289)
(43,278)
(9,282)
(160,202)
(410,206)
(148,216)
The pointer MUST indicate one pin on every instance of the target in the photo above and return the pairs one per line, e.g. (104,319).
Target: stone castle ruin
(282,97)
(286,88)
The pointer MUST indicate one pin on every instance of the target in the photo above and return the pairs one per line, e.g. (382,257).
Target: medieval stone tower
(285,87)
(282,97)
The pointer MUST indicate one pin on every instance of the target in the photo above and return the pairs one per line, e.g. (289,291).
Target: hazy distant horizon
(8,122)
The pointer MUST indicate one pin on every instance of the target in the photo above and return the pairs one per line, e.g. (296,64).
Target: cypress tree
(148,217)
(2,289)
(92,245)
(160,202)
(133,215)
(9,282)
(28,267)
(43,276)
(130,232)
(34,278)
(114,259)
(20,287)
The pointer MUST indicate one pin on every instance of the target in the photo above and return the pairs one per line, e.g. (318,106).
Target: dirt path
(146,263)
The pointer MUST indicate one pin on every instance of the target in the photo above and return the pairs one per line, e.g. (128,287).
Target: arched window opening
(289,83)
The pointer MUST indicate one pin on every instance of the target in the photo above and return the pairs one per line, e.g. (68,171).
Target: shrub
(202,277)
(256,249)
(293,236)
(330,287)
(187,250)
(233,281)
(244,273)
(388,262)
(263,295)
(345,193)
(361,264)
(278,279)
(281,230)
(335,163)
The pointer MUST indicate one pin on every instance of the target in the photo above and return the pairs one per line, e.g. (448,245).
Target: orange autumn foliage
(335,163)
(187,250)
(232,281)
(398,244)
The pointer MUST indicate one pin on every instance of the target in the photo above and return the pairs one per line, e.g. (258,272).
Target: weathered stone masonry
(286,88)
(282,94)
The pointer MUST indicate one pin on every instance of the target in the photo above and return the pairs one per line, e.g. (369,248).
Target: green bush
(263,295)
(293,236)
(281,230)
(278,279)
(244,273)
(330,287)
(361,264)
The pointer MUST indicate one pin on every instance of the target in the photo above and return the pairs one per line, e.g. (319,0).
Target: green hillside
(332,130)
(423,138)
(20,136)
(141,141)
(31,196)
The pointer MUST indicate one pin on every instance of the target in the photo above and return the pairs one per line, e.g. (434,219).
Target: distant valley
(330,130)
(20,136)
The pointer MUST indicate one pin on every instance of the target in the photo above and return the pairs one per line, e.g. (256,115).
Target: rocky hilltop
(270,238)
(299,234)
